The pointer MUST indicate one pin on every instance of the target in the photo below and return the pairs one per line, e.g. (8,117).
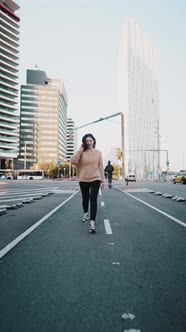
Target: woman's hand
(102,185)
(81,148)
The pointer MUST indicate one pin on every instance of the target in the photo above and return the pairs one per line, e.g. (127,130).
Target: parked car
(180,178)
(131,177)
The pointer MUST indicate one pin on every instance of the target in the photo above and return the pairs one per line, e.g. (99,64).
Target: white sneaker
(92,227)
(85,218)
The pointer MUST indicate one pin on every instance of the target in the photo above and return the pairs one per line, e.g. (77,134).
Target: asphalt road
(129,276)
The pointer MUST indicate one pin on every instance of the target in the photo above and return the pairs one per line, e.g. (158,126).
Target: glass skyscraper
(139,101)
(43,119)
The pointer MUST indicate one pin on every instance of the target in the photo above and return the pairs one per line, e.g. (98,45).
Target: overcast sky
(78,41)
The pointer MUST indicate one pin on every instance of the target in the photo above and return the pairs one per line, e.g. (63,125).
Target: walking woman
(90,169)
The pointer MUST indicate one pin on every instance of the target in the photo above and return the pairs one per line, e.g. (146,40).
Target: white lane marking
(132,330)
(138,190)
(158,210)
(115,263)
(108,228)
(12,244)
(11,197)
(127,315)
(102,204)
(24,195)
(100,193)
(21,191)
(64,191)
(111,243)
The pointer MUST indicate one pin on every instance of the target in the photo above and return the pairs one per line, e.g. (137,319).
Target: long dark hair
(84,141)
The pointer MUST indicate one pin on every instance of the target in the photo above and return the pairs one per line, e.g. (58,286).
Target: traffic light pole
(122,146)
(122,136)
(154,150)
(167,161)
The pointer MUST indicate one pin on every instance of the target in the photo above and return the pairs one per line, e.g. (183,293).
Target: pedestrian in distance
(90,170)
(109,170)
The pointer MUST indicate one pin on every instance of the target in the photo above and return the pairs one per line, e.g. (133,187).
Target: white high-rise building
(139,101)
(9,75)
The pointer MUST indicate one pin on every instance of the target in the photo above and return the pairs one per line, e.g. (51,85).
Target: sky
(78,41)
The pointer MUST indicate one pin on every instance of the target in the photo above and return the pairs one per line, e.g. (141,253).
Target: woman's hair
(84,141)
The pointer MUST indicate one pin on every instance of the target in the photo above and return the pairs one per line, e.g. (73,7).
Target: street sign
(58,163)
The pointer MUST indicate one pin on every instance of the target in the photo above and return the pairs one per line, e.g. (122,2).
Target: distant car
(183,181)
(131,177)
(180,178)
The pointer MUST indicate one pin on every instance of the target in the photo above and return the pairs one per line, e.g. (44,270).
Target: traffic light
(167,167)
(118,153)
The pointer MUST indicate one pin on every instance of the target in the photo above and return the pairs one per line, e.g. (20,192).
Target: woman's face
(89,142)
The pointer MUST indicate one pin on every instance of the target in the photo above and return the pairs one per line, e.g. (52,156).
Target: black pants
(89,191)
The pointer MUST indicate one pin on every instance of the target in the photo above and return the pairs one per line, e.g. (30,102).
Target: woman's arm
(101,169)
(75,159)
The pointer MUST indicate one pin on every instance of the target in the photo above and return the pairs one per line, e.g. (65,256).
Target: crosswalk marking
(18,194)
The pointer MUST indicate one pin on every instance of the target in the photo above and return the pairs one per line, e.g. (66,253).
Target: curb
(13,206)
(2,211)
(174,198)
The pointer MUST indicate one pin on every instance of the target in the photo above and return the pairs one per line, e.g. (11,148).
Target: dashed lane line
(108,228)
(12,244)
(156,209)
(102,204)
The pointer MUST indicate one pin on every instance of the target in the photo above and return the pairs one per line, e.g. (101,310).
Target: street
(56,276)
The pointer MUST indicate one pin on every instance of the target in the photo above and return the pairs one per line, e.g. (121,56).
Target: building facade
(43,120)
(139,101)
(9,89)
(71,138)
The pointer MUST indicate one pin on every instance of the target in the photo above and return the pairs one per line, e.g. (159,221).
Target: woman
(89,164)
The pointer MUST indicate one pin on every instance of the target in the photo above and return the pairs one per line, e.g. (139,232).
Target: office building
(71,138)
(139,101)
(9,74)
(43,119)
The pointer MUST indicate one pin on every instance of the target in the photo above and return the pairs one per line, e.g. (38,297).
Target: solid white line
(158,210)
(108,228)
(12,244)
(102,204)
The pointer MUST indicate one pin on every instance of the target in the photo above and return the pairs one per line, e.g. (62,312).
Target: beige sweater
(89,164)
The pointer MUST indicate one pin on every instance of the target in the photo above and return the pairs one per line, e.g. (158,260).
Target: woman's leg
(85,186)
(95,185)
